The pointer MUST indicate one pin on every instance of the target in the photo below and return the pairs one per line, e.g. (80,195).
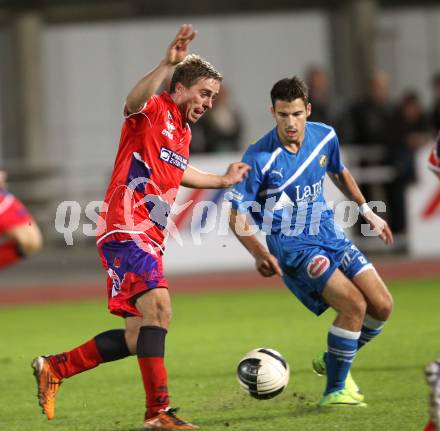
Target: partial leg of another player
(432,373)
(22,241)
(344,297)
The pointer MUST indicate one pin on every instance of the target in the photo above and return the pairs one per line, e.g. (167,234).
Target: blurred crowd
(383,133)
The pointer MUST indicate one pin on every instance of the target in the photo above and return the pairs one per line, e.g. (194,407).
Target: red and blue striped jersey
(151,159)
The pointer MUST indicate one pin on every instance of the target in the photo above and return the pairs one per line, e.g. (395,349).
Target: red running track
(229,281)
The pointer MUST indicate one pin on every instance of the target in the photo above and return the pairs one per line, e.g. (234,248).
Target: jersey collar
(276,138)
(174,109)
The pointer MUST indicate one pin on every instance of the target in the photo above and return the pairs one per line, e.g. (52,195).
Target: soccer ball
(263,373)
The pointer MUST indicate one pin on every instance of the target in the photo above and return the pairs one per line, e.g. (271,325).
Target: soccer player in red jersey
(19,234)
(151,163)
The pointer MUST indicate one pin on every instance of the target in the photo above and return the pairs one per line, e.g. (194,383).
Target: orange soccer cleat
(167,420)
(48,384)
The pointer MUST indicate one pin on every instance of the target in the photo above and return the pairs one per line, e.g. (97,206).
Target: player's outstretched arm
(148,85)
(267,264)
(196,179)
(348,186)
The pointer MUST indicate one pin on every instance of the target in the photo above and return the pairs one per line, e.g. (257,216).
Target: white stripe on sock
(342,353)
(344,333)
(372,323)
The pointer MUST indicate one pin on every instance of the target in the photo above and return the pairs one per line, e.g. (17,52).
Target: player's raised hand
(380,226)
(178,48)
(267,265)
(236,173)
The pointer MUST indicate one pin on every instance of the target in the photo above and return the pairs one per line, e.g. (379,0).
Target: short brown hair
(289,89)
(191,69)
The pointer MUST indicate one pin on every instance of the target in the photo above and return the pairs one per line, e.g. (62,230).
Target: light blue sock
(371,328)
(342,347)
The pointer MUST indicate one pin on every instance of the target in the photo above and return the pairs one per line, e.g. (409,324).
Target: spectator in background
(435,115)
(319,94)
(220,129)
(409,131)
(366,124)
(367,120)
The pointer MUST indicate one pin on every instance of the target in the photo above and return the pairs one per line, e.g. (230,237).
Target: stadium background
(65,71)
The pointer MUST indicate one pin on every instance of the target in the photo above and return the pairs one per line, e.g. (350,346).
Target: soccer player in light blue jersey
(283,196)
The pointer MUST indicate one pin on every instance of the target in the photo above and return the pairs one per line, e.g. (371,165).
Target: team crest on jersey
(171,128)
(168,134)
(317,266)
(173,158)
(323,160)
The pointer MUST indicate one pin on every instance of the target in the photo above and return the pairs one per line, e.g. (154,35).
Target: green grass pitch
(209,334)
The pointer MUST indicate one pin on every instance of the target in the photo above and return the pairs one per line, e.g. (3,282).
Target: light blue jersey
(284,194)
(284,191)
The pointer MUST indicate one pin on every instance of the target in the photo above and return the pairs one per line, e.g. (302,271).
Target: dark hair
(289,89)
(191,69)
(410,96)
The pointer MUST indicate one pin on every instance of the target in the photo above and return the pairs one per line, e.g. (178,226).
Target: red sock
(76,361)
(9,253)
(430,426)
(154,376)
(150,352)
